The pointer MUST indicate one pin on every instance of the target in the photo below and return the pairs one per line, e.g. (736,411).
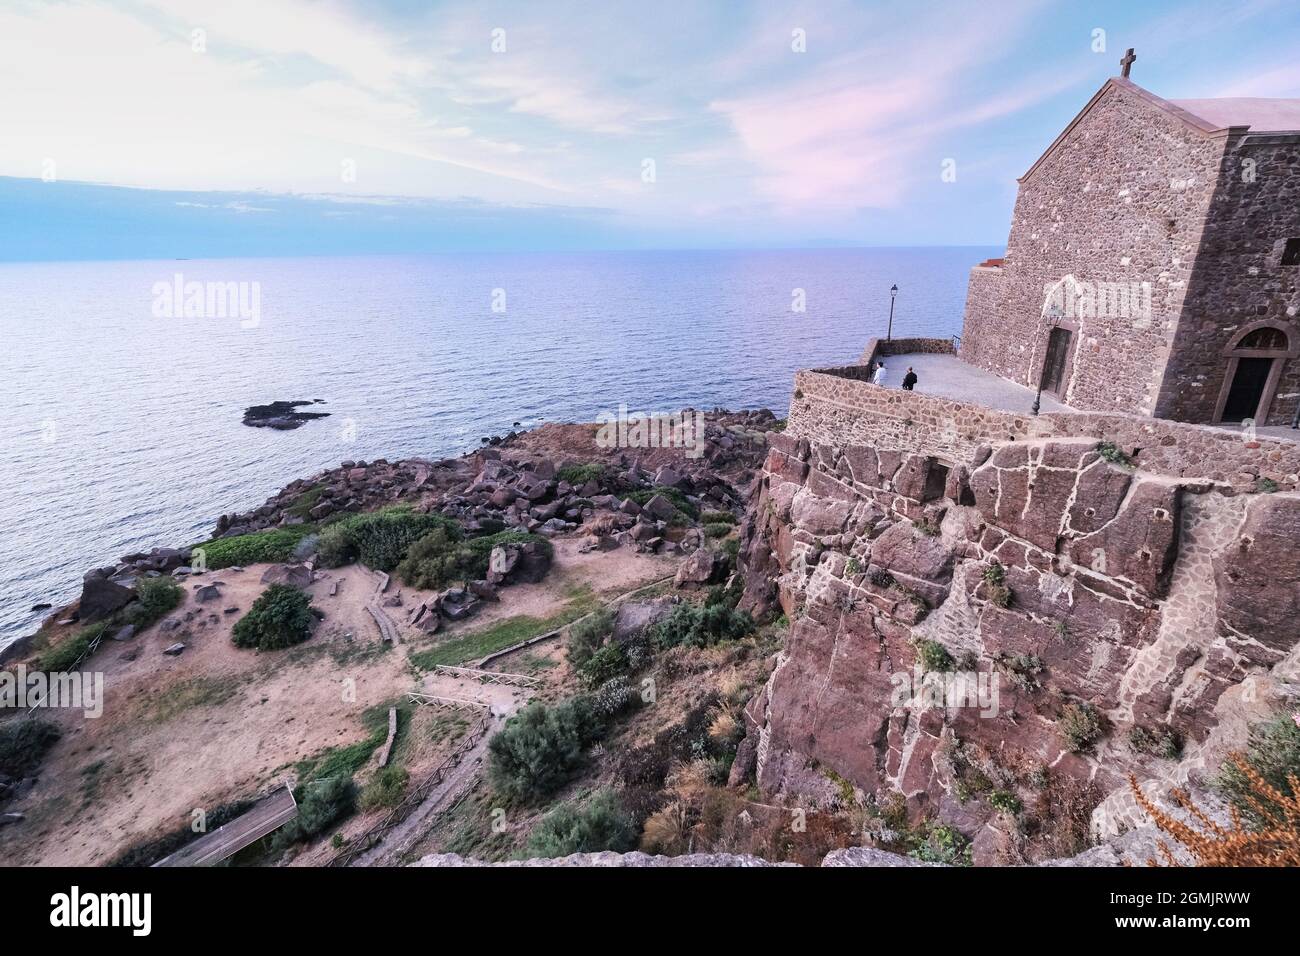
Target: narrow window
(1291,253)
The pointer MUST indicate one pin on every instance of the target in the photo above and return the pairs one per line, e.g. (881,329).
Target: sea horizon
(411,360)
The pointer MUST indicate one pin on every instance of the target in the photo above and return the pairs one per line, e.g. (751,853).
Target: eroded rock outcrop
(1060,598)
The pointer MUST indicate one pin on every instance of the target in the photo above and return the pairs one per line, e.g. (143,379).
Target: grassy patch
(674,496)
(273,546)
(63,656)
(511,631)
(579,475)
(346,760)
(302,505)
(187,695)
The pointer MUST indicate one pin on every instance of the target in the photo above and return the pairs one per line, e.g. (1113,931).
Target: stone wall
(883,348)
(982,339)
(1238,280)
(833,407)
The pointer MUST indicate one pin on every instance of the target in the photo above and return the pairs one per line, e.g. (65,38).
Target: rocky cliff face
(1003,640)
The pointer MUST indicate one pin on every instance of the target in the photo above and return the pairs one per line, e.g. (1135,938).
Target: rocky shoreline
(551,481)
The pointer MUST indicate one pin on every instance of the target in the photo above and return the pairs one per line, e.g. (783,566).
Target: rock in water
(280,415)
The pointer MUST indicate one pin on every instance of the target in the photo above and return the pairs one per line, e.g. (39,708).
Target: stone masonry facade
(1137,194)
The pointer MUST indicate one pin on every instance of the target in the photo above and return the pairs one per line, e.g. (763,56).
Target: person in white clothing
(879,377)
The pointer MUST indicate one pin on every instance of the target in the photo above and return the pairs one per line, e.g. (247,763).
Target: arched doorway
(1254,365)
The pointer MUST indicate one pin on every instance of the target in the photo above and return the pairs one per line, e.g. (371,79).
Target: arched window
(1266,338)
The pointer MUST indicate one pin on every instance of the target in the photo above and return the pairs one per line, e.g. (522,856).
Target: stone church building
(1153,265)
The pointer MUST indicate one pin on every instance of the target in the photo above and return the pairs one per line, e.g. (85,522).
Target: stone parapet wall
(838,407)
(883,348)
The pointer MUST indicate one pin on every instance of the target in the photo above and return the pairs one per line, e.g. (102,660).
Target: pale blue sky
(289,126)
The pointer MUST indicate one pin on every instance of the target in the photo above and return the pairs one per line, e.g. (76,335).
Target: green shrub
(1023,669)
(1273,750)
(24,741)
(933,656)
(717,529)
(1164,742)
(940,843)
(1266,486)
(273,546)
(702,626)
(62,657)
(599,824)
(442,556)
(614,697)
(586,636)
(1081,725)
(1111,453)
(155,598)
(1005,800)
(320,803)
(994,572)
(607,663)
(540,747)
(379,539)
(674,496)
(385,789)
(579,475)
(280,617)
(717,517)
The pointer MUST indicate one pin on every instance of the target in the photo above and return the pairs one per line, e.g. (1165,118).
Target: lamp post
(893,294)
(1053,314)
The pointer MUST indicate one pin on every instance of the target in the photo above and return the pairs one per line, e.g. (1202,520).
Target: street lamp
(1053,314)
(893,294)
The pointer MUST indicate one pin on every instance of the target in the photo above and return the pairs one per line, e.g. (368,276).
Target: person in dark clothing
(909,379)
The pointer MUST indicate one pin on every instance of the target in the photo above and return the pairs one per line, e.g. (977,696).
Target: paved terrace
(942,374)
(947,376)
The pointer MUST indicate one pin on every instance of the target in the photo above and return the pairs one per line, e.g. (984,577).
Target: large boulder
(702,568)
(297,575)
(525,562)
(101,597)
(634,617)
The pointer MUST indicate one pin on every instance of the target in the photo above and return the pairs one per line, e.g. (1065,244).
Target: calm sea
(122,428)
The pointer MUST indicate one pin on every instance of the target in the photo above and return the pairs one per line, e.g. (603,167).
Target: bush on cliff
(442,556)
(696,626)
(378,539)
(1273,751)
(599,824)
(320,803)
(385,789)
(155,597)
(63,656)
(579,475)
(258,547)
(280,617)
(674,496)
(1081,725)
(587,635)
(540,747)
(24,741)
